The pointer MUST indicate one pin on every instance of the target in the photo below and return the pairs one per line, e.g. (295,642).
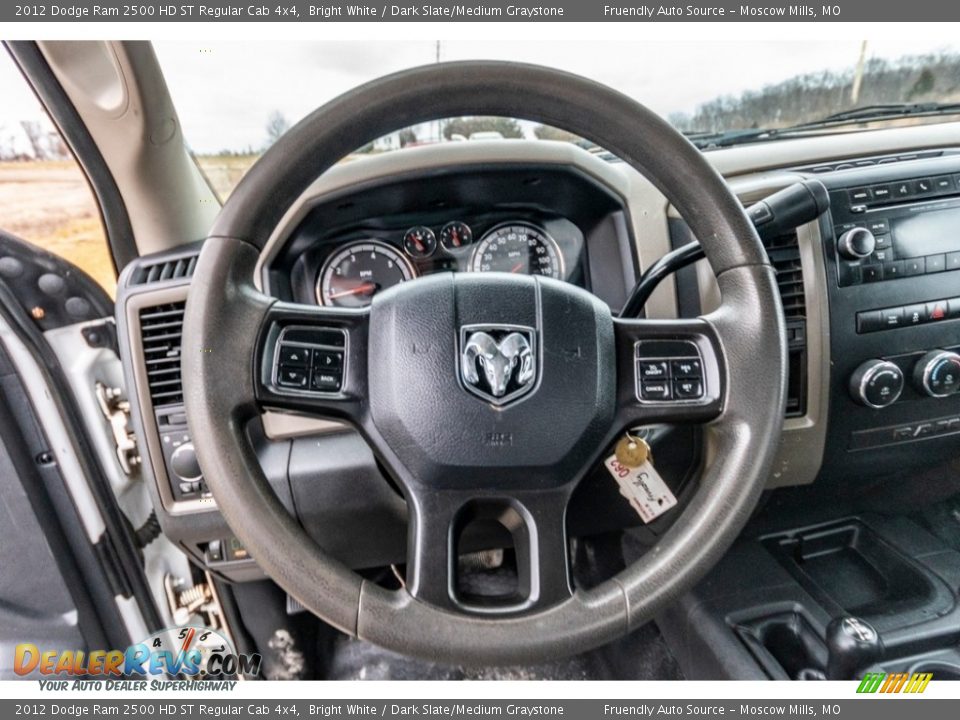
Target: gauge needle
(364,289)
(517,267)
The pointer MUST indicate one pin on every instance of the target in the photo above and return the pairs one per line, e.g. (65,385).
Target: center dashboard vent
(784,254)
(161,328)
(170,269)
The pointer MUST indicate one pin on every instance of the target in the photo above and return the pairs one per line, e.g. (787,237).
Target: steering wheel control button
(669,371)
(656,390)
(310,360)
(876,384)
(687,368)
(653,369)
(292,377)
(326,381)
(327,359)
(937,373)
(294,355)
(687,389)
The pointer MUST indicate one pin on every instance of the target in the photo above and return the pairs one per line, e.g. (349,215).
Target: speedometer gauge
(357,271)
(518,248)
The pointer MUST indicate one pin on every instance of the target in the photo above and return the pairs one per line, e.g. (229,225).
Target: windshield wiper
(867,113)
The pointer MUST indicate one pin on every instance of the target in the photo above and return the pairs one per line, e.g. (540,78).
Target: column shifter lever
(853,645)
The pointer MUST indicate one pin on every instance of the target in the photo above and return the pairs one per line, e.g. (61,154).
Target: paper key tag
(648,494)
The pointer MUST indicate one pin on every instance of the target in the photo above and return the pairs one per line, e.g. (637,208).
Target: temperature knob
(876,383)
(856,243)
(938,373)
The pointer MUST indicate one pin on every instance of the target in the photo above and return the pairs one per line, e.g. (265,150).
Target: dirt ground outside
(50,205)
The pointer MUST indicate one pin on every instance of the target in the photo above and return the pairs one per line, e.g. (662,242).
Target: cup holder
(939,670)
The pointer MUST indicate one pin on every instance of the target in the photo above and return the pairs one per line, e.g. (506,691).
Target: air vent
(856,163)
(161,328)
(170,269)
(784,254)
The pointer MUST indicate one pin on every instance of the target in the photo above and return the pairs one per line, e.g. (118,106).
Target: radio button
(869,321)
(872,273)
(882,242)
(915,314)
(936,263)
(850,274)
(953,261)
(943,184)
(923,186)
(913,266)
(881,192)
(902,189)
(861,195)
(878,227)
(882,256)
(893,270)
(953,308)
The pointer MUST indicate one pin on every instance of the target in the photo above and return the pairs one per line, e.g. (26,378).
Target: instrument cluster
(356,265)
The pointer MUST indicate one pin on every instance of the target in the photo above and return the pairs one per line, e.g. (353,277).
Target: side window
(44,195)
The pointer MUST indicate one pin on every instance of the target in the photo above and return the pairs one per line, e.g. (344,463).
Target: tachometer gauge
(455,235)
(419,242)
(518,248)
(359,270)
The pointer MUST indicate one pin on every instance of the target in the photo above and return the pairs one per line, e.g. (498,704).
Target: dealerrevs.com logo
(192,652)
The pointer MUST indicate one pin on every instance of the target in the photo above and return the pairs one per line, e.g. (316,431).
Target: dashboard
(871,292)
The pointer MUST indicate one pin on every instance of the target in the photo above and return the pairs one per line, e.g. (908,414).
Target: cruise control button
(655,390)
(294,355)
(652,369)
(327,359)
(292,377)
(687,368)
(326,381)
(687,389)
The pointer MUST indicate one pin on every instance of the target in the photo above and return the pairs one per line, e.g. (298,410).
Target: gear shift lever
(853,645)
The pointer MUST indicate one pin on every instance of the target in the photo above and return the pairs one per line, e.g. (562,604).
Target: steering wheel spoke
(489,555)
(313,360)
(668,371)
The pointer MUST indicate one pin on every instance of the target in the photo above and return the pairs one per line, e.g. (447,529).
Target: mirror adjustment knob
(937,373)
(876,383)
(184,463)
(856,244)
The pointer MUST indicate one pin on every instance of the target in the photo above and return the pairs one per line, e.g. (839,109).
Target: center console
(892,258)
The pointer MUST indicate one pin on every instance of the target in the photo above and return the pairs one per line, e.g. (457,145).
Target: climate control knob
(184,463)
(938,373)
(856,244)
(876,383)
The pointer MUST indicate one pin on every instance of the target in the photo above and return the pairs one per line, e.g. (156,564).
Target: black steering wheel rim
(225,327)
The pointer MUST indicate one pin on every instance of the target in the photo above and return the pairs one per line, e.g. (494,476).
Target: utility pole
(858,75)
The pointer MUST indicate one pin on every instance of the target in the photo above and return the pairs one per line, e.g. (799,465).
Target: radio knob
(876,383)
(184,463)
(938,373)
(856,244)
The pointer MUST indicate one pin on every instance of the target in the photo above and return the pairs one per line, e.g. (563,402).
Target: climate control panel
(878,383)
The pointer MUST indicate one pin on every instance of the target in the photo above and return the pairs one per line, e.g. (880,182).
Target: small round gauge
(194,644)
(455,235)
(360,269)
(419,242)
(518,248)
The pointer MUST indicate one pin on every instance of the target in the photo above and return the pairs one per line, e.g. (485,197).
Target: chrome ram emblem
(498,362)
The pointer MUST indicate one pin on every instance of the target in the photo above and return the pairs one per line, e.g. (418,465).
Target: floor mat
(643,655)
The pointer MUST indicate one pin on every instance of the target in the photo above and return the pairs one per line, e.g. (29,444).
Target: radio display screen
(927,233)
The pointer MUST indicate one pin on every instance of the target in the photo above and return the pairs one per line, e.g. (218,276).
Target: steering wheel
(458,451)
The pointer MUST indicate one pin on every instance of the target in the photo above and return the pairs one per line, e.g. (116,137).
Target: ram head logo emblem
(498,363)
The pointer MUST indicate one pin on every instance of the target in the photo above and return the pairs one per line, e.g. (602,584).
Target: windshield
(235,99)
